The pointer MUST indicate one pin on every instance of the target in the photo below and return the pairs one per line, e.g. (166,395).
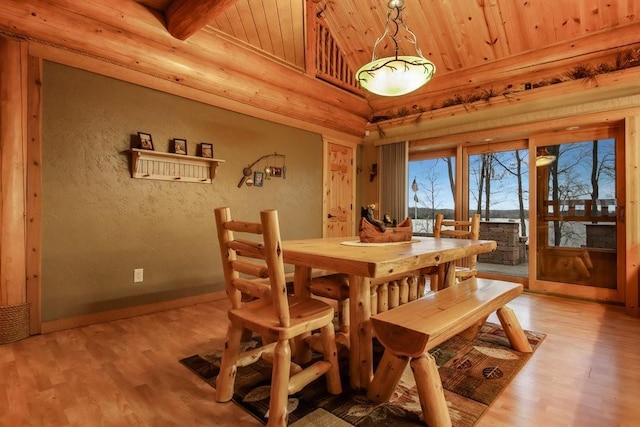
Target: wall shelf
(147,164)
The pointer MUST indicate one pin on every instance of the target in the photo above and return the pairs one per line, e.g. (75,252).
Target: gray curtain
(393,179)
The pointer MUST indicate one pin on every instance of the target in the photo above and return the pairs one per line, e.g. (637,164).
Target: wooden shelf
(148,164)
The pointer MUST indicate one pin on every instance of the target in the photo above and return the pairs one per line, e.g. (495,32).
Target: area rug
(473,372)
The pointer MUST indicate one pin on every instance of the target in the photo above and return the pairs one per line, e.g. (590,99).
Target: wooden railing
(330,63)
(601,210)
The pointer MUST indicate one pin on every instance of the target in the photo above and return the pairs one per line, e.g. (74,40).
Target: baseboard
(123,313)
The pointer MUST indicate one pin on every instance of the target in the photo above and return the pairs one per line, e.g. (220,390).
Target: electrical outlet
(138,275)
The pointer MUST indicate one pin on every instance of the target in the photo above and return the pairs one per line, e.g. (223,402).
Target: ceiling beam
(185,17)
(134,38)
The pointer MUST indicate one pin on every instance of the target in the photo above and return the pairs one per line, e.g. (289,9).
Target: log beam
(544,63)
(13,138)
(131,36)
(185,17)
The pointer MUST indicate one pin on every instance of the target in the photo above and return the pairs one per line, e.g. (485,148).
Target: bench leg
(513,330)
(387,376)
(429,385)
(473,331)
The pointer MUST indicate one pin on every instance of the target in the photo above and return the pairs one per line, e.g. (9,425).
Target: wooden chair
(466,267)
(274,315)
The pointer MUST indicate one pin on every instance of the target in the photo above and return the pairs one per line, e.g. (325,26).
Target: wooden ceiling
(457,35)
(254,56)
(454,34)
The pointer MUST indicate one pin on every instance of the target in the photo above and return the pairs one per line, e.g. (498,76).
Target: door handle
(330,216)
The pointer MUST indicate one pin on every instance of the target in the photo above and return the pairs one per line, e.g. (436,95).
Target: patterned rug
(473,373)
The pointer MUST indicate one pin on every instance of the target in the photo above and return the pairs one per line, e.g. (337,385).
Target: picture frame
(144,141)
(258,179)
(276,172)
(180,146)
(206,150)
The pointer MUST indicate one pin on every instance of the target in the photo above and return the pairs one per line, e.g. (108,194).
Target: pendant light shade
(544,159)
(399,74)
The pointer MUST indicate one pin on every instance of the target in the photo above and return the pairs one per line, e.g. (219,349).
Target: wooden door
(339,190)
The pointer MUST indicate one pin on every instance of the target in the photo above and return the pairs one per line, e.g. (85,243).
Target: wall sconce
(373,172)
(269,171)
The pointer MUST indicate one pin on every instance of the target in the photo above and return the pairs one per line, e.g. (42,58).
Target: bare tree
(518,173)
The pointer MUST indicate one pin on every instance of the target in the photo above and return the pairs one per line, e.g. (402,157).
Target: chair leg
(330,352)
(226,379)
(280,385)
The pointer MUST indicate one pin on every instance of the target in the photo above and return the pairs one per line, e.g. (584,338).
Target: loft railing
(330,63)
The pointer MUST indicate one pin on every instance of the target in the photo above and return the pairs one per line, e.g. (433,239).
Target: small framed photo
(206,150)
(145,141)
(258,178)
(276,171)
(179,146)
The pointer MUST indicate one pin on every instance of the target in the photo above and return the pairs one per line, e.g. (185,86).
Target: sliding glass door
(570,242)
(579,215)
(497,188)
(431,189)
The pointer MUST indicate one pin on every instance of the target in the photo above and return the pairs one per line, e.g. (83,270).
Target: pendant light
(399,74)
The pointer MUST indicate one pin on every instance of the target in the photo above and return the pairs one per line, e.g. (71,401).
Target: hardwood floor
(126,372)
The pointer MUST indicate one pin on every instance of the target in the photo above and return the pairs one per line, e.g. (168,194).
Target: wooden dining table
(365,262)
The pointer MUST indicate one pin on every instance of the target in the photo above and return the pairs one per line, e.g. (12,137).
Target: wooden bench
(409,331)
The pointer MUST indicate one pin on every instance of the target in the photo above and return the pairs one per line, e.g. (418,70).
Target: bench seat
(409,331)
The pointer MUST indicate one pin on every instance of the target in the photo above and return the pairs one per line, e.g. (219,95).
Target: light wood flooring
(126,372)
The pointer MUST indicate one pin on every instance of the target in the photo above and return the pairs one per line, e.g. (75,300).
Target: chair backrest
(459,230)
(253,265)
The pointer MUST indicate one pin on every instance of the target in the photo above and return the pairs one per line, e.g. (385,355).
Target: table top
(379,260)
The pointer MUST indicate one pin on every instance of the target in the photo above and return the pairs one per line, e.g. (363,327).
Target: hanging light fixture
(544,158)
(395,75)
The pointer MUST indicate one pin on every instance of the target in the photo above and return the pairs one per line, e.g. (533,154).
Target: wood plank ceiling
(254,56)
(454,34)
(457,35)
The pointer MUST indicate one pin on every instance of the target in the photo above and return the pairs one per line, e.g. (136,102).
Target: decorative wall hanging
(251,177)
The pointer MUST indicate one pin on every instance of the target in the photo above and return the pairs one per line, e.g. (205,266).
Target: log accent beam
(131,36)
(185,17)
(551,61)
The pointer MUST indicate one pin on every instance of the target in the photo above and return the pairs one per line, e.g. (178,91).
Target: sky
(574,165)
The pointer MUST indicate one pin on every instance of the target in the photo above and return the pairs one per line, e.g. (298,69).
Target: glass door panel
(498,189)
(431,189)
(577,224)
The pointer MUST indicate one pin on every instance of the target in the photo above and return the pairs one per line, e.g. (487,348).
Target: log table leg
(301,279)
(361,357)
(449,275)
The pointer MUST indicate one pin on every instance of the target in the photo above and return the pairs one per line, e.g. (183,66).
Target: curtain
(393,167)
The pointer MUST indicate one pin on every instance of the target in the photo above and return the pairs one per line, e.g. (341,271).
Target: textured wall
(99,223)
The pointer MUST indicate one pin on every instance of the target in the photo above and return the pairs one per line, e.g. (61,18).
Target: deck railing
(584,210)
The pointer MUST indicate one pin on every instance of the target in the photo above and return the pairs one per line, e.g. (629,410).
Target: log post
(13,154)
